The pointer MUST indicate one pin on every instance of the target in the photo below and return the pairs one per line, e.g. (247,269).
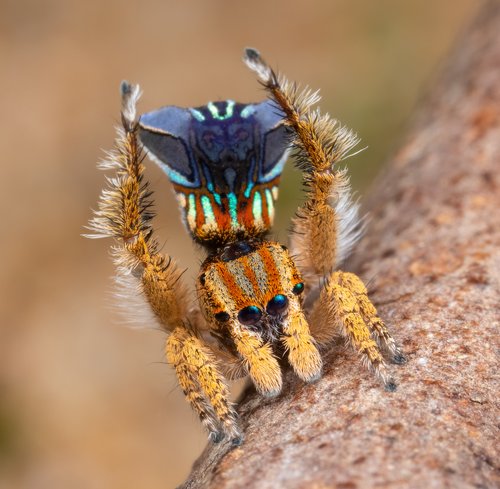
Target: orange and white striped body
(250,294)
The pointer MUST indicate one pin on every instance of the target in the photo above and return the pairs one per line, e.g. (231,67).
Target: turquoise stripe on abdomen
(191,213)
(257,207)
(233,209)
(208,210)
(270,205)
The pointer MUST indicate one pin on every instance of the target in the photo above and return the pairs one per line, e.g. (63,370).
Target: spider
(261,306)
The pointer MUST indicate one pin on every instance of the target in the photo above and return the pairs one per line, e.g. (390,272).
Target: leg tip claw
(237,441)
(216,437)
(314,378)
(399,359)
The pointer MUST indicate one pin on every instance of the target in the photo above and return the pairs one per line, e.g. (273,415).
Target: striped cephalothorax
(253,317)
(252,284)
(251,294)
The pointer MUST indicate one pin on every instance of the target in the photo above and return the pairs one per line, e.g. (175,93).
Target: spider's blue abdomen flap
(224,159)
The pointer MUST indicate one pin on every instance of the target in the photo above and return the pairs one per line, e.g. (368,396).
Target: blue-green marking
(191,215)
(210,187)
(248,190)
(207,210)
(248,111)
(270,204)
(233,208)
(197,115)
(176,177)
(257,206)
(276,170)
(215,111)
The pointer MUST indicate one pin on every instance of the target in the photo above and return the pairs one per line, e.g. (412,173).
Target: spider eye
(277,305)
(249,315)
(222,316)
(298,288)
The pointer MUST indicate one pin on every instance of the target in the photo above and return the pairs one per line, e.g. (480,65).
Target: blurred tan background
(86,402)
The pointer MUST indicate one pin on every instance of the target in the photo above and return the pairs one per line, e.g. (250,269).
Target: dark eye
(249,315)
(277,305)
(298,288)
(222,316)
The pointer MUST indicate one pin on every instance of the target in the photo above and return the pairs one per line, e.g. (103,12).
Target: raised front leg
(327,224)
(125,214)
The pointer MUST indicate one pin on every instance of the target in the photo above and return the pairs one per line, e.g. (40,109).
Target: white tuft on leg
(350,226)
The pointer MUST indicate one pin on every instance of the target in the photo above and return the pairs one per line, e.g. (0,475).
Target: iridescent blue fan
(225,160)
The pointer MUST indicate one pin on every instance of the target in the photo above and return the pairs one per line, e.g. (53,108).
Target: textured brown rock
(432,258)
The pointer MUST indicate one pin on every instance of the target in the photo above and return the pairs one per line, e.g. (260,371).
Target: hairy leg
(203,384)
(303,355)
(343,307)
(260,363)
(377,327)
(125,214)
(327,224)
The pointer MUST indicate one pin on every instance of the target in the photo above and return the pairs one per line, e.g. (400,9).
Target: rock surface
(432,261)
